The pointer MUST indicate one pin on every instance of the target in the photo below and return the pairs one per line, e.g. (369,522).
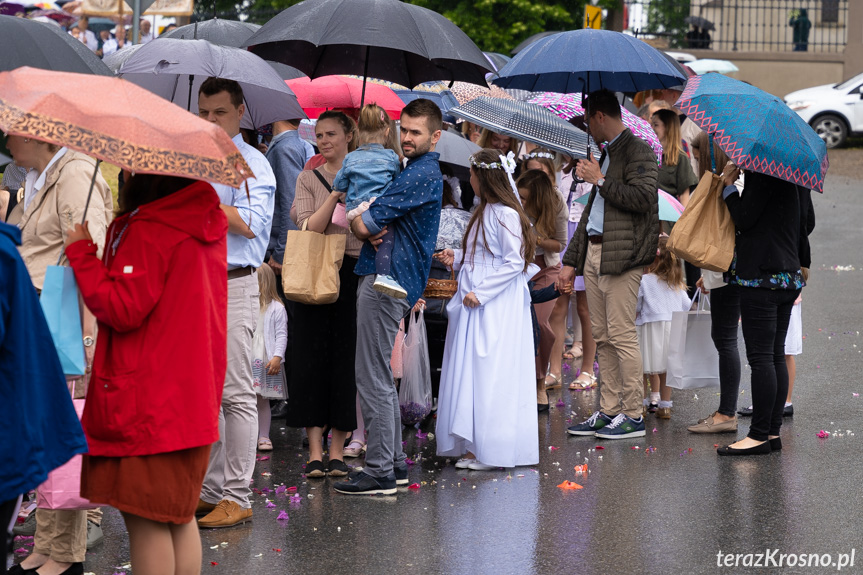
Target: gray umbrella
(4,160)
(386,39)
(527,122)
(26,42)
(286,72)
(216,31)
(530,40)
(175,70)
(700,22)
(456,150)
(118,58)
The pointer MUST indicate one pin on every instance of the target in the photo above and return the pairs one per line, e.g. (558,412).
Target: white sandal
(351,451)
(264,444)
(584,381)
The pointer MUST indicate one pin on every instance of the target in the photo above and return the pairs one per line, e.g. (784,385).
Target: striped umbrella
(569,106)
(527,122)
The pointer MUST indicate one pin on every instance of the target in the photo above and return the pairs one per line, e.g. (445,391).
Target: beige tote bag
(704,234)
(310,271)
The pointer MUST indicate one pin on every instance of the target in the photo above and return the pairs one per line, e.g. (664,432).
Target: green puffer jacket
(631,225)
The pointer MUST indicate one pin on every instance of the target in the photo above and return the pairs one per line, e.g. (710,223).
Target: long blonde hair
(495,189)
(671,144)
(267,287)
(485,141)
(667,266)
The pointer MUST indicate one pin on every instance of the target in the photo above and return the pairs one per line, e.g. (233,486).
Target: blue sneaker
(401,474)
(362,483)
(591,425)
(622,427)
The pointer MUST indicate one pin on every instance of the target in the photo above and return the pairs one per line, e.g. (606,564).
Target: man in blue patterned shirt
(410,209)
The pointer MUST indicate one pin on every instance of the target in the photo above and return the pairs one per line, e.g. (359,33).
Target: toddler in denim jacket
(366,174)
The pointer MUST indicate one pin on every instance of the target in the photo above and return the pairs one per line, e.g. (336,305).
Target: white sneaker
(477,466)
(389,286)
(464,463)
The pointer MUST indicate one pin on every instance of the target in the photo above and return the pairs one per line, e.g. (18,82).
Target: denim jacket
(366,173)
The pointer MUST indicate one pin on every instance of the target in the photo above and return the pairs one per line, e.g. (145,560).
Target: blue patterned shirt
(410,209)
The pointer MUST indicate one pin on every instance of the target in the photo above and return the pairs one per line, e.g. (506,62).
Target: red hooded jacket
(161,298)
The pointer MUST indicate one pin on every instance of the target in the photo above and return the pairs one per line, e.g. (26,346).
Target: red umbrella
(329,92)
(126,125)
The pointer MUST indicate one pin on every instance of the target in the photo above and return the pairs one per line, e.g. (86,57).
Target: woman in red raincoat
(152,410)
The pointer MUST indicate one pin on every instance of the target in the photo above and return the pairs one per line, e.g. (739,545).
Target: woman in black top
(767,267)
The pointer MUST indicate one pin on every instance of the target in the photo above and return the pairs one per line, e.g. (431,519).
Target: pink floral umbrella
(569,106)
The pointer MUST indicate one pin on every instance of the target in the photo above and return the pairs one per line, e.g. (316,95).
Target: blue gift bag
(62,311)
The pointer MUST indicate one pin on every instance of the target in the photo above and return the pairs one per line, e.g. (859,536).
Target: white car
(834,111)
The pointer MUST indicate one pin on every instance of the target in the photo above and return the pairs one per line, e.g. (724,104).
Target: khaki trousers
(612,300)
(61,535)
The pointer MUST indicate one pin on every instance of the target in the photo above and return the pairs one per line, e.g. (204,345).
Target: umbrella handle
(365,78)
(712,159)
(86,205)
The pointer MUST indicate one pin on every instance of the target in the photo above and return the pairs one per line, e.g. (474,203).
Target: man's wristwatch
(89,341)
(599,182)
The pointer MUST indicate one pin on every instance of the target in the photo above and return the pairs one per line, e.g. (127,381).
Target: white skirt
(653,339)
(794,337)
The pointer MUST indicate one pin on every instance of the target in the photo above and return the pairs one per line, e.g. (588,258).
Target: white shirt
(146,38)
(89,39)
(109,47)
(34,180)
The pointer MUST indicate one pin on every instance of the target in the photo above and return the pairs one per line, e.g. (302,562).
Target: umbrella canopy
(11,8)
(126,125)
(531,39)
(386,39)
(465,92)
(669,208)
(527,122)
(215,31)
(757,130)
(708,65)
(455,150)
(588,60)
(24,42)
(284,71)
(496,60)
(322,94)
(175,70)
(116,59)
(4,159)
(569,106)
(437,92)
(61,17)
(700,22)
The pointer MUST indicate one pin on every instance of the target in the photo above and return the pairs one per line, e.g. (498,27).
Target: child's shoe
(389,286)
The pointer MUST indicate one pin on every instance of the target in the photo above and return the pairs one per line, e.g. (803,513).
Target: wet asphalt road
(664,503)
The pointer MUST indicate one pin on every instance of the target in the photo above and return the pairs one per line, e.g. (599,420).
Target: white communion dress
(487,399)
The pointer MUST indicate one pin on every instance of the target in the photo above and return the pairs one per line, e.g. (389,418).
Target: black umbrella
(700,22)
(385,39)
(530,40)
(497,60)
(216,31)
(26,42)
(285,71)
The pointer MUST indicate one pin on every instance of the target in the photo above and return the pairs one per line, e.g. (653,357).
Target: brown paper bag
(704,234)
(310,271)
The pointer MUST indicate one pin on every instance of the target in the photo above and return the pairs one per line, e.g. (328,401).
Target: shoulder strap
(323,180)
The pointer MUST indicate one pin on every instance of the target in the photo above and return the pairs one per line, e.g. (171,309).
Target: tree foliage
(666,18)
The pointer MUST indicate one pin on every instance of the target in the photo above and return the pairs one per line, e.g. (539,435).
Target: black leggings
(725,316)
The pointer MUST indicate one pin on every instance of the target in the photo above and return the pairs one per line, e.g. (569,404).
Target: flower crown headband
(507,164)
(533,155)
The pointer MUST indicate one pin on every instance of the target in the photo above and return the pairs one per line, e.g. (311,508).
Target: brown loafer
(226,514)
(709,425)
(204,508)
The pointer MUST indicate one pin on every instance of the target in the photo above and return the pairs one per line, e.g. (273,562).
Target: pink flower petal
(414,486)
(283,516)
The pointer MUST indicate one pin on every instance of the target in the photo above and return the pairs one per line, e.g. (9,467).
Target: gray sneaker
(94,534)
(28,527)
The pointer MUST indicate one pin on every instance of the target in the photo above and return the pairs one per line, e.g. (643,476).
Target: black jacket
(773,218)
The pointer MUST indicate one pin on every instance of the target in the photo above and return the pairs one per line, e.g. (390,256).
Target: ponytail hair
(374,125)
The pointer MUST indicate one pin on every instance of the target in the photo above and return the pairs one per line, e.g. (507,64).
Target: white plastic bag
(693,361)
(415,396)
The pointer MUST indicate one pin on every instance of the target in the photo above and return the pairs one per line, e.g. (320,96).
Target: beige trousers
(611,300)
(61,535)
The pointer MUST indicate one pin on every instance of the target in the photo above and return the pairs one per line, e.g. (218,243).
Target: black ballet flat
(541,407)
(760,449)
(775,444)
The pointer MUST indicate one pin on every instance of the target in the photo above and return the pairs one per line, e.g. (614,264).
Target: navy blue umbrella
(589,60)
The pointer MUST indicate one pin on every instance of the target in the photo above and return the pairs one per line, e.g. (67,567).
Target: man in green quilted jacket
(616,238)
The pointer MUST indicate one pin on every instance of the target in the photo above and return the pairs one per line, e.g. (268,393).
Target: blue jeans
(765,315)
(724,316)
